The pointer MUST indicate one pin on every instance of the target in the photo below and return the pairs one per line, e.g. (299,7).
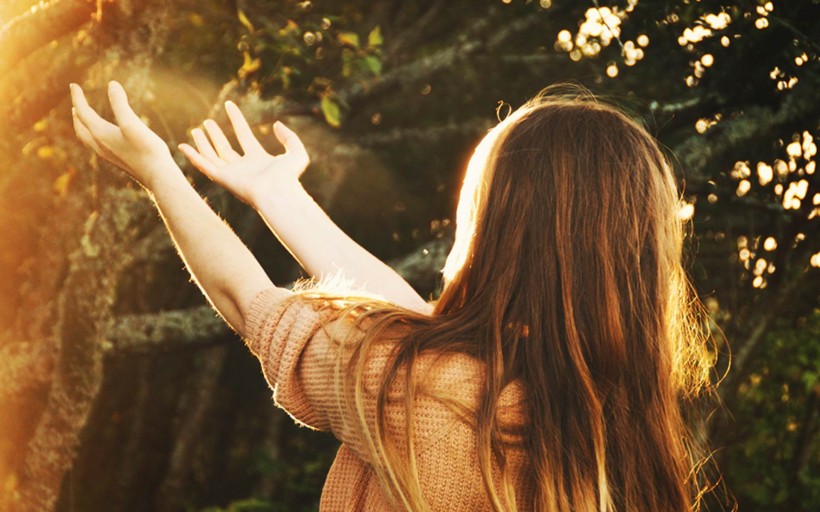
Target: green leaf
(349,39)
(332,112)
(373,64)
(809,379)
(244,20)
(374,38)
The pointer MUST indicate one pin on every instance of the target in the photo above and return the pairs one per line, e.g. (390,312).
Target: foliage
(301,49)
(779,403)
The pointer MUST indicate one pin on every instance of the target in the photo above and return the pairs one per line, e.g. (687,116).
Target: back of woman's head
(568,263)
(566,275)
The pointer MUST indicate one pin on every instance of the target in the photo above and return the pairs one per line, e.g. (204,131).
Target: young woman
(546,377)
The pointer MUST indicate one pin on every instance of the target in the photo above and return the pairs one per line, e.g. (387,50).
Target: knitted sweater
(293,339)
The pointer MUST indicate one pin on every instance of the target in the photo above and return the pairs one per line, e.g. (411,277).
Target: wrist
(280,191)
(163,175)
(285,203)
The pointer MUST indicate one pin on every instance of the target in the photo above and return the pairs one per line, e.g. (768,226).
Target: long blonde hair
(566,275)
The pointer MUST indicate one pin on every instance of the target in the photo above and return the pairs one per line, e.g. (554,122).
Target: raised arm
(270,184)
(225,270)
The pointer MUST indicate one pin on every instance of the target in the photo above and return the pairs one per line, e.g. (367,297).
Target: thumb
(289,139)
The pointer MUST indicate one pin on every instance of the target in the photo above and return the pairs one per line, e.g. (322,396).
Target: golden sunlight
(472,190)
(471,196)
(686,210)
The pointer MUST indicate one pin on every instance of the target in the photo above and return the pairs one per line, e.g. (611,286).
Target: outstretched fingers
(203,145)
(290,140)
(127,119)
(83,133)
(220,142)
(88,140)
(244,135)
(206,165)
(97,127)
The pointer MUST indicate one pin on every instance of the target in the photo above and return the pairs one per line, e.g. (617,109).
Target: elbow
(419,305)
(231,311)
(250,305)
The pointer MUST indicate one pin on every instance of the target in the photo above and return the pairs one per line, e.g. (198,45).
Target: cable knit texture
(293,338)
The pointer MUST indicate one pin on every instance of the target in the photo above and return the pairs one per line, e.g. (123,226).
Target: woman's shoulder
(459,377)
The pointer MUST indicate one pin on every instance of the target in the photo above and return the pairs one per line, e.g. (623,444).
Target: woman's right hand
(254,173)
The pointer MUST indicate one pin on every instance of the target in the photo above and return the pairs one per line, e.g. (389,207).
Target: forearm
(219,262)
(322,248)
(221,265)
(271,184)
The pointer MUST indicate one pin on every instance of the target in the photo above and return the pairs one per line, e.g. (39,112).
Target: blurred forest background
(119,387)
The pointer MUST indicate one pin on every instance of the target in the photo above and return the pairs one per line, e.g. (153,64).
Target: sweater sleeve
(294,339)
(279,327)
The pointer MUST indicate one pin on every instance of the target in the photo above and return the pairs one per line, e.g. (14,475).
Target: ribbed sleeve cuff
(264,307)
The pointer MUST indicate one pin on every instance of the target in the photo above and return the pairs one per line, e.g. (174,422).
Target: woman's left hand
(129,143)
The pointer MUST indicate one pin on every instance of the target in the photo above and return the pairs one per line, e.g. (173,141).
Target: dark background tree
(121,390)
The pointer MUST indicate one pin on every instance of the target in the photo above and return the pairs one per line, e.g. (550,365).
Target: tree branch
(88,292)
(417,31)
(699,152)
(536,60)
(470,43)
(82,310)
(195,327)
(44,22)
(39,97)
(427,135)
(24,366)
(168,330)
(752,344)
